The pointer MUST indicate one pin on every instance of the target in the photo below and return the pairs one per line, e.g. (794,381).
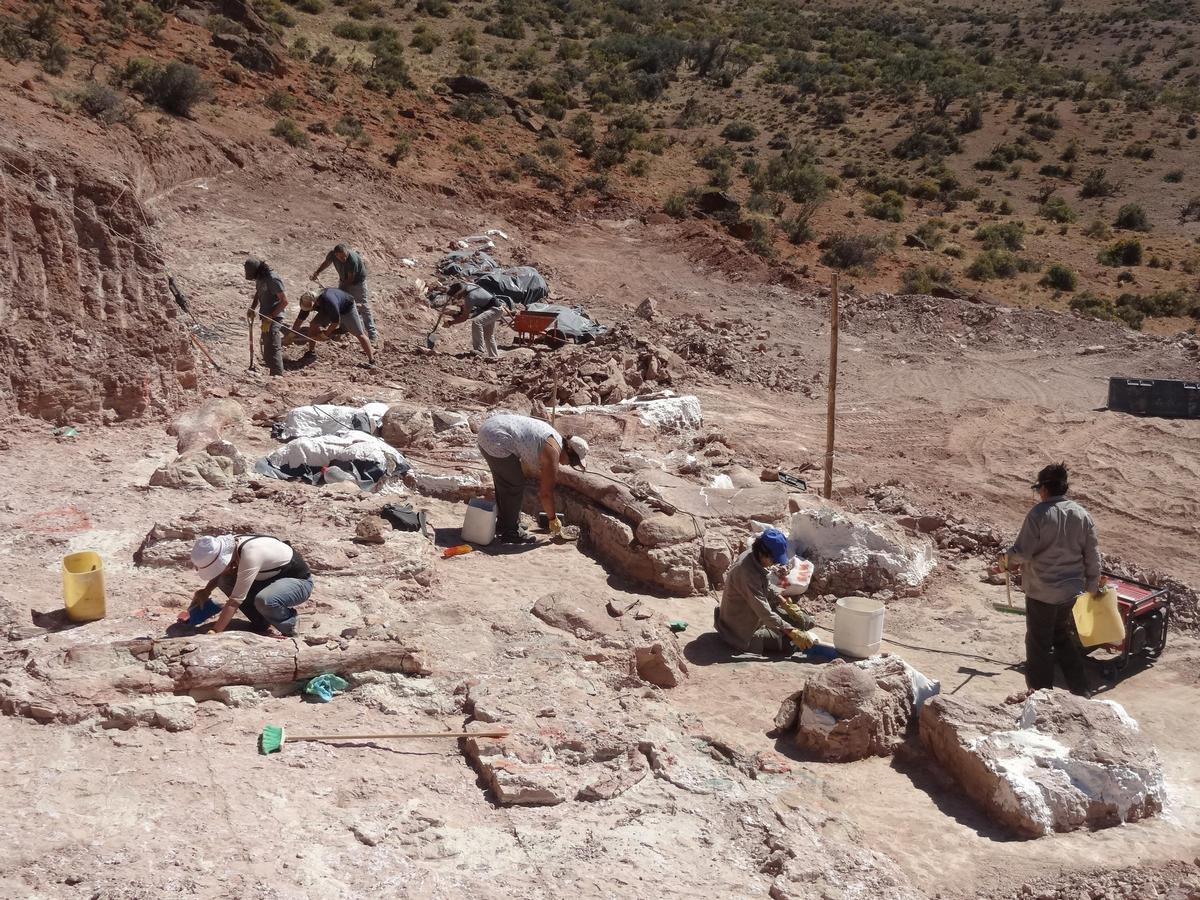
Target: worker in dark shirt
(352,278)
(333,309)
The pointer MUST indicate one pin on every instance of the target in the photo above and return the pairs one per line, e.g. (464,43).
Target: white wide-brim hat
(211,555)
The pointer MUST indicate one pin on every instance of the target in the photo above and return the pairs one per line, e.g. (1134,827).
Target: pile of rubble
(1168,879)
(948,532)
(739,351)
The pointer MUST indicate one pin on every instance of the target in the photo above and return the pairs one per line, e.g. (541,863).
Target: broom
(1008,607)
(273,737)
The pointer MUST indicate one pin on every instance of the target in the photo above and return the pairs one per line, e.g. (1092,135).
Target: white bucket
(858,626)
(479,524)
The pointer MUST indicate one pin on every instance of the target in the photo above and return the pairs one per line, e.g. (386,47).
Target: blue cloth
(201,614)
(323,687)
(775,542)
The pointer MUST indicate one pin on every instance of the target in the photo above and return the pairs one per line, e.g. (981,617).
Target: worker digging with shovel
(334,309)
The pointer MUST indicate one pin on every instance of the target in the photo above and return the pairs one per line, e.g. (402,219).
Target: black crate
(1155,397)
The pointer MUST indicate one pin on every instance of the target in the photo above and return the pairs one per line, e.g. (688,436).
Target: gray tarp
(570,324)
(522,284)
(466,264)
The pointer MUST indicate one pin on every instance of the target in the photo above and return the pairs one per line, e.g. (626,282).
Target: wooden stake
(831,412)
(554,402)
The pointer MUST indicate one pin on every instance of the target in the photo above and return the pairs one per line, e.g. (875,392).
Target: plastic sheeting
(345,456)
(314,421)
(522,285)
(569,324)
(466,264)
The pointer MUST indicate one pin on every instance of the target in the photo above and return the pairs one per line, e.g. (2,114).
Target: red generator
(1145,612)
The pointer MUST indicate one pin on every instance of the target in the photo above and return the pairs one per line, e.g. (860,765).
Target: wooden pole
(831,412)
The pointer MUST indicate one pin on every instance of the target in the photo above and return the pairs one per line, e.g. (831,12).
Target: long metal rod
(831,411)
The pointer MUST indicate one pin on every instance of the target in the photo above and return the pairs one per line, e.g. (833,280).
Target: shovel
(431,338)
(250,329)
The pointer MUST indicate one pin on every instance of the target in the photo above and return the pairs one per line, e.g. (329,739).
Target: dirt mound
(91,333)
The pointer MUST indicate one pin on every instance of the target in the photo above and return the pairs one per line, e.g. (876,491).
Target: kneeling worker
(519,446)
(748,618)
(261,575)
(334,308)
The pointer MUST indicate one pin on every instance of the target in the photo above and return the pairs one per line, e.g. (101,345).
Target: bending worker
(1059,556)
(484,310)
(748,618)
(267,306)
(517,446)
(262,576)
(334,310)
(352,278)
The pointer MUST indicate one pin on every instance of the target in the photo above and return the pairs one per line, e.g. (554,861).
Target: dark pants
(271,602)
(509,479)
(272,348)
(1050,638)
(765,641)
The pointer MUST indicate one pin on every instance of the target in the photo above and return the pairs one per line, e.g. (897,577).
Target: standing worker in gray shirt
(267,307)
(1060,559)
(352,278)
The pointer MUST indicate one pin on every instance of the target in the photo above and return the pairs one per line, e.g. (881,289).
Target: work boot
(519,537)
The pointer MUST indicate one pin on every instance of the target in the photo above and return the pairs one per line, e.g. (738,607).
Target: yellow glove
(555,527)
(801,639)
(266,325)
(796,614)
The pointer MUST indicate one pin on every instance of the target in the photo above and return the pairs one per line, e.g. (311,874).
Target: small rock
(372,530)
(646,309)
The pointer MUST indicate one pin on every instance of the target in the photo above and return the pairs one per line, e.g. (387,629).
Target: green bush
(310,6)
(101,102)
(1132,217)
(1096,184)
(739,131)
(1134,309)
(425,40)
(280,101)
(176,87)
(350,30)
(1174,176)
(475,109)
(888,207)
(400,150)
(147,19)
(1124,252)
(1002,236)
(676,206)
(290,133)
(923,279)
(1060,278)
(852,251)
(473,141)
(798,229)
(56,58)
(994,263)
(1056,210)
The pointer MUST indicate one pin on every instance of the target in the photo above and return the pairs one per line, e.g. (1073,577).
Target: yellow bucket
(83,586)
(1098,618)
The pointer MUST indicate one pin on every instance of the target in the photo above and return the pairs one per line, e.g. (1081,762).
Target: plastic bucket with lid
(858,626)
(479,524)
(83,586)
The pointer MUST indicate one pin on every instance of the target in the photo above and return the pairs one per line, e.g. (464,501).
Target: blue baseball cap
(775,542)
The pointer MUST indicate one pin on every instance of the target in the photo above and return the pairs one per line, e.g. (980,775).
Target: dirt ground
(957,403)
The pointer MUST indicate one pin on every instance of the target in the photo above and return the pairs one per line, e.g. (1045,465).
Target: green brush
(1008,607)
(273,737)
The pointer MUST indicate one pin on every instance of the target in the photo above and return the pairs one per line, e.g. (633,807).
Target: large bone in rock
(854,710)
(76,683)
(1055,762)
(614,497)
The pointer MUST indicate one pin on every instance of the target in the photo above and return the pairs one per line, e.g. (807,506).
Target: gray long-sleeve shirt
(748,602)
(1059,551)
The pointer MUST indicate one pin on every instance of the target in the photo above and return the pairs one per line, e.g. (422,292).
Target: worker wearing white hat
(262,576)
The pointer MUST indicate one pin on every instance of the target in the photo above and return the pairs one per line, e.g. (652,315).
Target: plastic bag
(795,583)
(323,687)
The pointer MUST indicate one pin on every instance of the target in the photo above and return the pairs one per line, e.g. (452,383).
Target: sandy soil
(961,403)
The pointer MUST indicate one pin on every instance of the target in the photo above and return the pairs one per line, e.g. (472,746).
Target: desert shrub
(1096,184)
(831,112)
(739,131)
(350,129)
(923,279)
(1140,150)
(425,40)
(1124,252)
(888,207)
(510,27)
(1190,211)
(991,264)
(472,141)
(675,206)
(175,87)
(1002,236)
(400,150)
(439,9)
(349,30)
(55,58)
(762,235)
(934,138)
(1132,217)
(1174,176)
(1056,210)
(713,157)
(280,101)
(310,6)
(1134,309)
(930,231)
(551,149)
(147,19)
(103,103)
(852,251)
(290,133)
(972,117)
(15,43)
(1098,230)
(798,229)
(218,24)
(475,109)
(1060,278)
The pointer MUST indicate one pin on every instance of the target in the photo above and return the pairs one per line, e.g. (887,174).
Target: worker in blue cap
(749,619)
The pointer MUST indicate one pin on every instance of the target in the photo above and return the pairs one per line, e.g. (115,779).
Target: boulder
(445,419)
(468,84)
(716,556)
(402,427)
(165,711)
(202,469)
(664,530)
(646,309)
(372,530)
(1052,762)
(854,555)
(851,711)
